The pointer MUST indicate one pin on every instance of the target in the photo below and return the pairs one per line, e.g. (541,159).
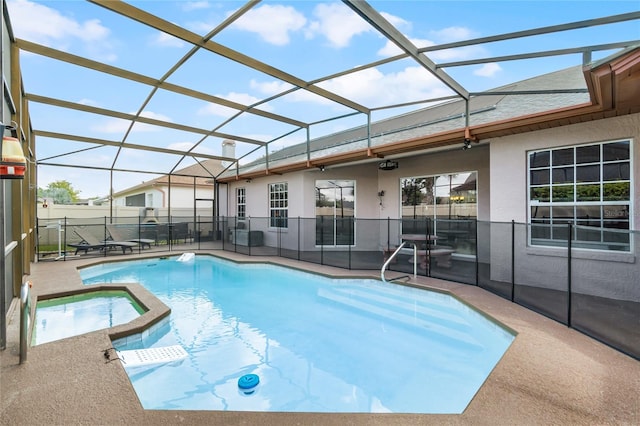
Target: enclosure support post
(322,240)
(513,259)
(65,239)
(476,250)
(569,225)
(299,237)
(350,241)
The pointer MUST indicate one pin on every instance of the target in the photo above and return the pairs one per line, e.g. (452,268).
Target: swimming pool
(67,316)
(317,344)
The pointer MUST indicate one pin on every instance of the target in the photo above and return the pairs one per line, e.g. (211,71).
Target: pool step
(150,356)
(444,331)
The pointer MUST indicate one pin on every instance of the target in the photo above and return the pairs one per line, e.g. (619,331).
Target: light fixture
(321,168)
(388,165)
(13,164)
(468,138)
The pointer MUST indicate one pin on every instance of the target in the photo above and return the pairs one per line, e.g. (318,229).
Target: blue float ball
(248,383)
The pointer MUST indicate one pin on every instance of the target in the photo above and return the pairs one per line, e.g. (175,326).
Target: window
(335,212)
(135,200)
(452,196)
(278,205)
(588,186)
(241,203)
(443,205)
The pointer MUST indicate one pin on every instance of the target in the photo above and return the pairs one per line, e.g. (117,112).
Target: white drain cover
(137,357)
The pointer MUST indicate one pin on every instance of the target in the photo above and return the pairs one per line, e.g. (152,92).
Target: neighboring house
(186,186)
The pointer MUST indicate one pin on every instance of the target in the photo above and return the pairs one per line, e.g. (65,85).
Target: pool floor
(67,316)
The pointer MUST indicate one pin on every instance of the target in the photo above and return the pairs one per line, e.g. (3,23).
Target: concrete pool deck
(551,374)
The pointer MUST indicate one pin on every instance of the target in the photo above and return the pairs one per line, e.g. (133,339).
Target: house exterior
(556,149)
(185,190)
(597,109)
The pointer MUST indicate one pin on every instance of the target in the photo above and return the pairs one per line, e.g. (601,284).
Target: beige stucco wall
(445,162)
(181,196)
(369,181)
(591,272)
(508,165)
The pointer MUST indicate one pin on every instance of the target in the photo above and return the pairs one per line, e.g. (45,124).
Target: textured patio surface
(551,375)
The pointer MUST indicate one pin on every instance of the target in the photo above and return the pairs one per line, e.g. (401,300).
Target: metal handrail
(395,253)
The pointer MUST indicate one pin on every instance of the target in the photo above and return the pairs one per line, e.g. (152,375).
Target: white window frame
(606,240)
(241,203)
(434,205)
(335,214)
(279,202)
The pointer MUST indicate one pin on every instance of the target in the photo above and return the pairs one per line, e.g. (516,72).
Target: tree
(60,191)
(417,191)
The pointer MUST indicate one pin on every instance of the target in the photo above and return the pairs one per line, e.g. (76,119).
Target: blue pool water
(68,316)
(316,344)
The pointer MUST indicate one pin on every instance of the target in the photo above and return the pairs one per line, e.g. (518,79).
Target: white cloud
(43,25)
(164,39)
(371,87)
(180,146)
(118,125)
(186,146)
(155,116)
(271,87)
(337,23)
(273,23)
(488,70)
(396,21)
(223,111)
(390,48)
(445,35)
(217,110)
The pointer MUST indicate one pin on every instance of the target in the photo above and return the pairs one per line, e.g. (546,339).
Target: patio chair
(119,234)
(89,242)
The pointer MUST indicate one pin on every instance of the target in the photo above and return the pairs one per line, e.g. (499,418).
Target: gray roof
(555,91)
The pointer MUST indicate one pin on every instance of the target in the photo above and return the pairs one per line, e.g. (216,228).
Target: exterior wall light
(13,164)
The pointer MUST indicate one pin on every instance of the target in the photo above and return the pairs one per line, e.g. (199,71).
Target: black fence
(590,280)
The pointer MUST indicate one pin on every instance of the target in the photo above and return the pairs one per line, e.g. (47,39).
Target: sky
(307,39)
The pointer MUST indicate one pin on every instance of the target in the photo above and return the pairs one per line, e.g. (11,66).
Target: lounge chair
(119,234)
(89,242)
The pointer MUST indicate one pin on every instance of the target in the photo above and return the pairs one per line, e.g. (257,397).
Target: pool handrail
(395,253)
